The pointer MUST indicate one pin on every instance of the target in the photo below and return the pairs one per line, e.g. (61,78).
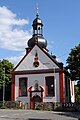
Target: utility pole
(3,86)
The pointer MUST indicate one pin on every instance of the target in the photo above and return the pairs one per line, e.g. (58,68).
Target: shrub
(3,107)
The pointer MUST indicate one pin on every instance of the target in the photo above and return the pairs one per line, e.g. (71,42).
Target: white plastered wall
(44,61)
(41,82)
(72,91)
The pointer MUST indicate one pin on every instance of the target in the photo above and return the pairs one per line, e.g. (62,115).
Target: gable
(44,61)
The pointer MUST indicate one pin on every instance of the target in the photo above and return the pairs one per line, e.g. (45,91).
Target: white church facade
(39,77)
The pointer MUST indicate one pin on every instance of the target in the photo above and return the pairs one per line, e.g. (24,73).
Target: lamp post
(3,85)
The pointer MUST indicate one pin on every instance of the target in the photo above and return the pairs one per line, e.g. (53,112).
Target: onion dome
(37,37)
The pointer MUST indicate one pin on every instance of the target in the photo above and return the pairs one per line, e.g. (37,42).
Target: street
(6,114)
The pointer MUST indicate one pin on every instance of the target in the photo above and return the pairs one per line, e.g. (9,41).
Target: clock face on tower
(36,63)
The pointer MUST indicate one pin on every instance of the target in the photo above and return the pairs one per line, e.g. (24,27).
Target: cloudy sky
(61,19)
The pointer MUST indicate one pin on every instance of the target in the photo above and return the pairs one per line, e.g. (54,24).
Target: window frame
(47,87)
(20,79)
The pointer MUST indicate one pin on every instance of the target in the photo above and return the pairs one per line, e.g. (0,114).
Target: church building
(39,77)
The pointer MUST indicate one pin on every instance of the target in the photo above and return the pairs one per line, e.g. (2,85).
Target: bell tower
(37,24)
(37,37)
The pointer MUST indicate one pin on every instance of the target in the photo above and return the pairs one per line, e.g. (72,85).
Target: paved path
(36,115)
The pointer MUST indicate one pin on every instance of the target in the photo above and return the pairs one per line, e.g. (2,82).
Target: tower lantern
(37,37)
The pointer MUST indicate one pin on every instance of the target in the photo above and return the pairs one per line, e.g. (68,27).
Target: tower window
(50,86)
(22,86)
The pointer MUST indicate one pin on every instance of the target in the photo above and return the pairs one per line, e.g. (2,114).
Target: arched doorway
(35,96)
(36,99)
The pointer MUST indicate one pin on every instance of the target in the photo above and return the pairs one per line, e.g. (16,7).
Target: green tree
(73,65)
(8,66)
(77,94)
(73,62)
(78,85)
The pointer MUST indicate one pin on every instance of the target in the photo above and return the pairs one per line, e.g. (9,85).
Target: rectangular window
(50,86)
(22,86)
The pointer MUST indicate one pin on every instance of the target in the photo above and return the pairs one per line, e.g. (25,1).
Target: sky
(61,20)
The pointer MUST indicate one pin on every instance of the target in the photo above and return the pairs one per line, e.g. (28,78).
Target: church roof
(46,53)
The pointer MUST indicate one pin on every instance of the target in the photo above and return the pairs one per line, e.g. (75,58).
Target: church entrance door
(36,99)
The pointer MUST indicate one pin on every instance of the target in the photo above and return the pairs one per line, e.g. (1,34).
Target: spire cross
(36,8)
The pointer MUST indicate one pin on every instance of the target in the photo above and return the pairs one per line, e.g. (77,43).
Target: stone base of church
(44,106)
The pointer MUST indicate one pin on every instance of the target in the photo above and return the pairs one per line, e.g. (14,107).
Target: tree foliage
(73,66)
(8,68)
(77,94)
(73,62)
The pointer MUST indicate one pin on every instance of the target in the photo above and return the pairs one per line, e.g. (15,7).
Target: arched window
(36,85)
(50,86)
